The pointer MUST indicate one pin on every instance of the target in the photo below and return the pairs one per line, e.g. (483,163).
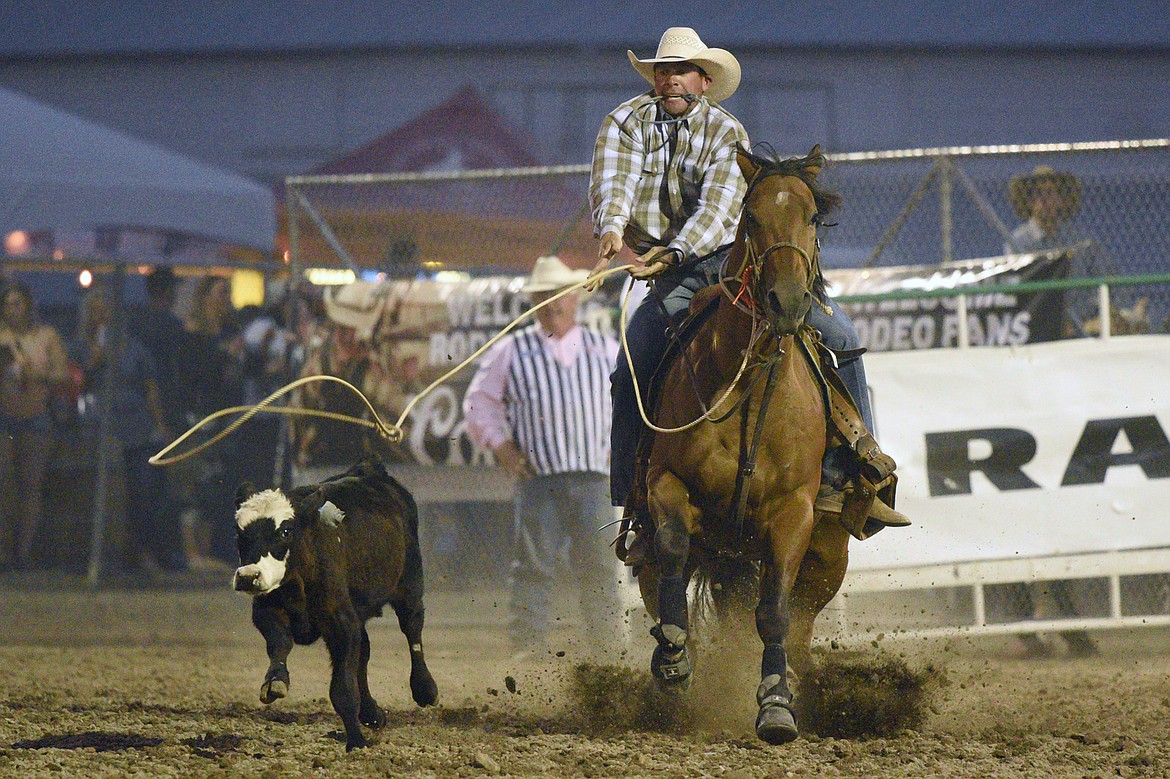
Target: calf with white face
(266,524)
(320,561)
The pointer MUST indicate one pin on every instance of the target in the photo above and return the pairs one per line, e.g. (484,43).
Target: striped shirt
(659,182)
(549,395)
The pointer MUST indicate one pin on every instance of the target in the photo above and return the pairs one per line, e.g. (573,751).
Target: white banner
(1042,449)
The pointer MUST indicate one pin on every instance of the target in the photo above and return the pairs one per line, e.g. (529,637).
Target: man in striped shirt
(540,402)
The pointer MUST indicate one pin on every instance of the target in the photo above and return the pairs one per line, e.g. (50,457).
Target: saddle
(870,471)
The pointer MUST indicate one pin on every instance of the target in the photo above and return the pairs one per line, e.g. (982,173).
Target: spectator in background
(269,364)
(1047,201)
(540,401)
(162,333)
(215,360)
(138,422)
(34,365)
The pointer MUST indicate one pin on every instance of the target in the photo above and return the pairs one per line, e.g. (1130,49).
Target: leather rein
(749,446)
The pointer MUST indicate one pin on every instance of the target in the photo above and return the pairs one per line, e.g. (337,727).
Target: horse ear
(817,159)
(746,165)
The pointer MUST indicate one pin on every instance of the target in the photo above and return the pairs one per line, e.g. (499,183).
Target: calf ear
(243,492)
(309,505)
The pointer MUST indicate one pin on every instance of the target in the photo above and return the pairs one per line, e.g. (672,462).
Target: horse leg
(671,663)
(776,723)
(648,577)
(820,576)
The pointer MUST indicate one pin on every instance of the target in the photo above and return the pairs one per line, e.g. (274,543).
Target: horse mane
(806,169)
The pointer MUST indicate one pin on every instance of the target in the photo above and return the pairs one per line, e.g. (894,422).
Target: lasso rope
(394,433)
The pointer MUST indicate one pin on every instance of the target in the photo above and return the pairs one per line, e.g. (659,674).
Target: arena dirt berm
(157,683)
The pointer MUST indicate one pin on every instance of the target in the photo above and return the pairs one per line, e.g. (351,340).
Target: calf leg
(273,623)
(371,714)
(344,639)
(410,619)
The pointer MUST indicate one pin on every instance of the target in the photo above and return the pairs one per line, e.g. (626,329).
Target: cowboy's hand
(610,245)
(654,262)
(511,459)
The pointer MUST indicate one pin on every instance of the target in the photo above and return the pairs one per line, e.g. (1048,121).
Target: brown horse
(707,504)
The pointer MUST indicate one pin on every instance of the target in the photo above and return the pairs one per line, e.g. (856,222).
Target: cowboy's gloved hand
(655,261)
(610,245)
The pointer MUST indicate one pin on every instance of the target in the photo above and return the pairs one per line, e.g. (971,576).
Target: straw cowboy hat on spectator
(357,305)
(682,44)
(1022,191)
(549,274)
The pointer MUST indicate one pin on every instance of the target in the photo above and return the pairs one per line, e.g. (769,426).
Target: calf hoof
(356,742)
(272,690)
(372,715)
(423,688)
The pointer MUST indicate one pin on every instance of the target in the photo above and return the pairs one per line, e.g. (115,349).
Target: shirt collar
(691,118)
(549,336)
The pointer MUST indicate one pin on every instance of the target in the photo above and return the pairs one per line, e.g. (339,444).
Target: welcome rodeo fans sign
(993,319)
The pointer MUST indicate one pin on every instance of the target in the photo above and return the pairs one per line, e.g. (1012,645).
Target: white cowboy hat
(357,305)
(682,44)
(550,274)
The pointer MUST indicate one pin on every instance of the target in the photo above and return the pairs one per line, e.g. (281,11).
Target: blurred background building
(271,89)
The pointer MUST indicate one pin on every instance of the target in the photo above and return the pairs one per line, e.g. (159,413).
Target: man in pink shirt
(540,402)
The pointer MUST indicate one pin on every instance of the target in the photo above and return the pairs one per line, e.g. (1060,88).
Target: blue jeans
(648,339)
(557,533)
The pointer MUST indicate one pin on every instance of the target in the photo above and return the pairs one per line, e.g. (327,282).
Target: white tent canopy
(61,172)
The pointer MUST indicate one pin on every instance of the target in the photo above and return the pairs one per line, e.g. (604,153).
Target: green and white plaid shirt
(667,183)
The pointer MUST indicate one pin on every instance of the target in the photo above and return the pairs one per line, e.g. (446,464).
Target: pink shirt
(484,405)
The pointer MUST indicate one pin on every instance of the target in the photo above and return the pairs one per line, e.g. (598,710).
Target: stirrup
(860,520)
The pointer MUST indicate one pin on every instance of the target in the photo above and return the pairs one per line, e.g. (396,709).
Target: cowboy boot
(834,501)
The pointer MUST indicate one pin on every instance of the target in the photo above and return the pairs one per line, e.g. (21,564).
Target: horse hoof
(671,671)
(272,690)
(776,725)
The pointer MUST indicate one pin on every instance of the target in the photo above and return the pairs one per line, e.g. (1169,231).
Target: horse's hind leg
(820,576)
(671,663)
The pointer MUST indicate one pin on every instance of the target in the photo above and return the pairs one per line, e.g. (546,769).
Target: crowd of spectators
(142,375)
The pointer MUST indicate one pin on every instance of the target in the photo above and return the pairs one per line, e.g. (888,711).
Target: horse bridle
(755,262)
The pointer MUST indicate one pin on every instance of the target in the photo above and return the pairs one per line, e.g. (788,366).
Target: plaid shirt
(668,183)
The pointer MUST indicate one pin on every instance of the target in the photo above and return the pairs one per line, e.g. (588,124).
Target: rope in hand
(710,413)
(392,433)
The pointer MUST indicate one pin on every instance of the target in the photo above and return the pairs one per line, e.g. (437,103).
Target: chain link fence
(909,208)
(916,207)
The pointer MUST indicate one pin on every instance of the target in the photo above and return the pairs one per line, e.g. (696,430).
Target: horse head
(778,236)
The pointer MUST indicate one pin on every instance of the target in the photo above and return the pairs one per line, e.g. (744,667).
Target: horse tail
(725,587)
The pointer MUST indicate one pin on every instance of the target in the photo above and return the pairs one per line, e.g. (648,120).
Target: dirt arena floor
(165,682)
